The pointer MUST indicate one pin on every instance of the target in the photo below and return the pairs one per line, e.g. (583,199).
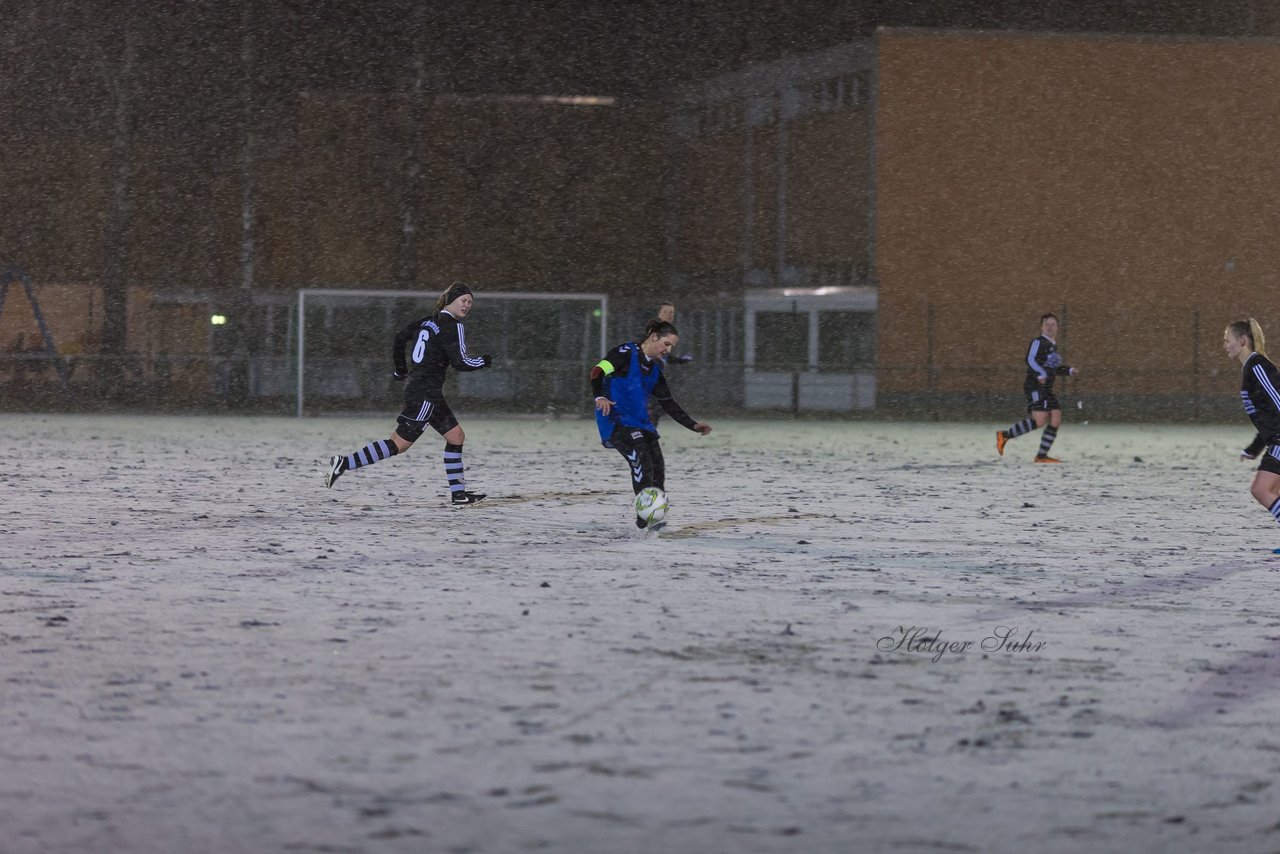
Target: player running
(622,383)
(438,341)
(1044,365)
(1260,393)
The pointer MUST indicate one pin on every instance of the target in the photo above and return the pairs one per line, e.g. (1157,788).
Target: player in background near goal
(1044,365)
(1260,393)
(667,314)
(622,383)
(438,341)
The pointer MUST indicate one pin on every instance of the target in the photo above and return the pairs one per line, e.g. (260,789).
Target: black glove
(398,376)
(488,360)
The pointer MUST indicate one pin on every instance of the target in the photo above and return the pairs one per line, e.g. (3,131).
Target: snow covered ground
(851,637)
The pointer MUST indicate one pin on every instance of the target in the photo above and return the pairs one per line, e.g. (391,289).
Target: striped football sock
(1023,426)
(453,468)
(1046,440)
(374,452)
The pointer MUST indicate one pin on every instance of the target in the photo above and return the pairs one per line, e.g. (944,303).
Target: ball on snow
(651,504)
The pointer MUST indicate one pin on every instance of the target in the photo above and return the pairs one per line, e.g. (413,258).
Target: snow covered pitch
(850,637)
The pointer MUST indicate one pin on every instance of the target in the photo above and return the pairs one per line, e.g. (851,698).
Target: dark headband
(457,289)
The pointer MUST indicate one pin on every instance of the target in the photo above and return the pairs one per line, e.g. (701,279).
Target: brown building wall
(72,312)
(1128,183)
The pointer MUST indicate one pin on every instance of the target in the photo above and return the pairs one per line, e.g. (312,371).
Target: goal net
(542,344)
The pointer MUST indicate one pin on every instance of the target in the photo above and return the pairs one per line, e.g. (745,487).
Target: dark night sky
(59,55)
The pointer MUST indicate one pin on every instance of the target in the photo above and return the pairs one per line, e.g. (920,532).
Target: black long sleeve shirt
(1260,394)
(438,342)
(1038,353)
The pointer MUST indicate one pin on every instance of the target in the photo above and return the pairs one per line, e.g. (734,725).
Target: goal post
(542,343)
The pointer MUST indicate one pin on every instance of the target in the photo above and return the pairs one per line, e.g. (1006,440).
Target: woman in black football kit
(1044,365)
(1260,394)
(438,341)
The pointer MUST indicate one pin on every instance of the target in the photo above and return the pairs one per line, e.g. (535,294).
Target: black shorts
(1269,461)
(1041,401)
(416,415)
(643,454)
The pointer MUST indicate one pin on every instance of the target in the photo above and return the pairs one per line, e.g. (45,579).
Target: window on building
(846,339)
(782,340)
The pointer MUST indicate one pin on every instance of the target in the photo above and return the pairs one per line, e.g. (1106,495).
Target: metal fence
(542,365)
(266,384)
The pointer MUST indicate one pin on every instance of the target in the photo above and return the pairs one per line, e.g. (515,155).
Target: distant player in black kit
(1044,364)
(1260,393)
(438,341)
(667,314)
(622,383)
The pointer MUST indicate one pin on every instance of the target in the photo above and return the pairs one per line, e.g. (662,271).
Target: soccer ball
(651,504)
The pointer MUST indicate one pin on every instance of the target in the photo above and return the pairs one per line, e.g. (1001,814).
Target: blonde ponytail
(1259,341)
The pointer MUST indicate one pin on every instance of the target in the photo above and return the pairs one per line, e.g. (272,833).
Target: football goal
(542,344)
